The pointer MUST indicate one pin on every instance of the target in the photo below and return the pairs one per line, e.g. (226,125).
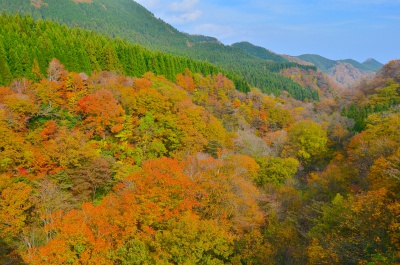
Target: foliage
(110,169)
(114,18)
(276,170)
(307,141)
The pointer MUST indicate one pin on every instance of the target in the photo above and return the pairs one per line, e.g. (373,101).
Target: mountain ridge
(129,20)
(346,71)
(259,52)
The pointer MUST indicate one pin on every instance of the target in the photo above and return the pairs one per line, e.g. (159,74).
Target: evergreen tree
(5,74)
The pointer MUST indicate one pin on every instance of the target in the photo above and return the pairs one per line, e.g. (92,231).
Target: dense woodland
(109,169)
(26,44)
(113,154)
(130,21)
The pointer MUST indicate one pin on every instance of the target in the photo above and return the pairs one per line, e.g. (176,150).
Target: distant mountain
(259,52)
(391,70)
(368,65)
(345,72)
(373,64)
(321,62)
(295,59)
(129,20)
(347,75)
(380,96)
(355,64)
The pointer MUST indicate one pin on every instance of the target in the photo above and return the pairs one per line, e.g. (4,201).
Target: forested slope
(345,72)
(259,52)
(27,46)
(114,154)
(128,20)
(376,96)
(109,169)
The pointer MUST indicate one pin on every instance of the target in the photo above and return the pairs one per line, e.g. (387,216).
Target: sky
(335,29)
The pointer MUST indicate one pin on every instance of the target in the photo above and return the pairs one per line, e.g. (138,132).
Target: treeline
(257,72)
(259,52)
(272,83)
(124,18)
(27,47)
(129,20)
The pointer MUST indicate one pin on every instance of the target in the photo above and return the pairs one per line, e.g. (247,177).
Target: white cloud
(183,12)
(221,32)
(174,12)
(184,18)
(183,6)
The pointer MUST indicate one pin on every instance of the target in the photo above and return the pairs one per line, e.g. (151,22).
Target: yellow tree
(307,141)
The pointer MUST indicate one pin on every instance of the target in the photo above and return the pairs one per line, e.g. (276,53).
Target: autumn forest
(114,152)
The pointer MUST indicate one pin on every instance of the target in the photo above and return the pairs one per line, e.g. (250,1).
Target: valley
(126,141)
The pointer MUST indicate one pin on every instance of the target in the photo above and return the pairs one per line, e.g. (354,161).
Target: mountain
(321,62)
(345,72)
(28,53)
(369,65)
(128,20)
(380,95)
(110,17)
(348,75)
(355,64)
(373,64)
(259,52)
(295,59)
(153,158)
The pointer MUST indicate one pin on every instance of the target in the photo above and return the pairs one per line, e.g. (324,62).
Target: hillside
(368,65)
(347,75)
(108,169)
(115,153)
(372,64)
(321,62)
(259,52)
(129,20)
(87,51)
(346,72)
(27,47)
(356,64)
(295,59)
(379,95)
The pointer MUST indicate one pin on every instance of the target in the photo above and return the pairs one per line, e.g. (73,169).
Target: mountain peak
(370,60)
(372,64)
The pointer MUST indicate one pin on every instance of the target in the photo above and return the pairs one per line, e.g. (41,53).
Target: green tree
(307,141)
(5,73)
(276,170)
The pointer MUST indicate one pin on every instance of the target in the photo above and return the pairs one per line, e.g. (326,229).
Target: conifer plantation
(114,153)
(83,50)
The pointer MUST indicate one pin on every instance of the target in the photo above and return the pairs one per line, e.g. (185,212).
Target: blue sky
(336,29)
